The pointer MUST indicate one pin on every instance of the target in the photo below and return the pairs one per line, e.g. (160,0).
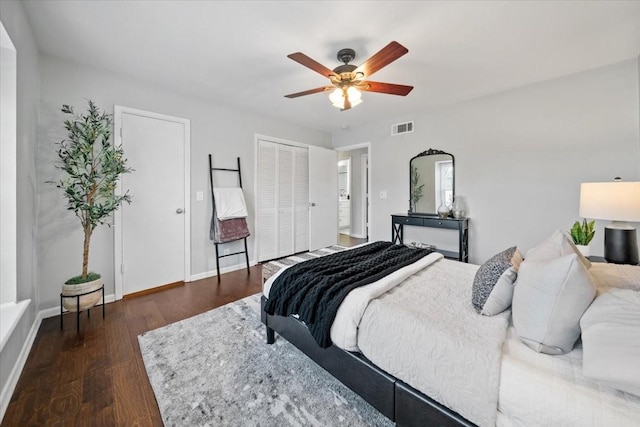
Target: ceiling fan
(347,79)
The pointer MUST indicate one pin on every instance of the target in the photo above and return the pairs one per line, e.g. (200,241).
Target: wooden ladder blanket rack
(213,199)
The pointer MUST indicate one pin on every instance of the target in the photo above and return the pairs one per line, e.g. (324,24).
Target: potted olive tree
(91,167)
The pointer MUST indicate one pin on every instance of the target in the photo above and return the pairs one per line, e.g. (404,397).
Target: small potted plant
(91,167)
(582,233)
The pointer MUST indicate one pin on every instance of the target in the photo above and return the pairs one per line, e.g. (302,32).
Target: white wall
(215,129)
(17,26)
(520,156)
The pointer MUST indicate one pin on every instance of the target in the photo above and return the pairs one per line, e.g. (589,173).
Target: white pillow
(557,245)
(548,302)
(621,276)
(611,340)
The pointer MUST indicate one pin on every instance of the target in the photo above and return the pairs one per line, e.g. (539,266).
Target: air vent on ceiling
(400,128)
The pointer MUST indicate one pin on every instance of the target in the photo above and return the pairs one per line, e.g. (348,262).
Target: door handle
(312,204)
(179,210)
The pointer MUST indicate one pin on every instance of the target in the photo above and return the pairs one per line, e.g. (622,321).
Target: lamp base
(621,245)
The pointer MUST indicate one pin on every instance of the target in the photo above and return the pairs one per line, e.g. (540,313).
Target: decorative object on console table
(458,209)
(444,211)
(582,234)
(619,202)
(398,221)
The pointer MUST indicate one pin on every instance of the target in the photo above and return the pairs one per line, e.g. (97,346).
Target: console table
(398,221)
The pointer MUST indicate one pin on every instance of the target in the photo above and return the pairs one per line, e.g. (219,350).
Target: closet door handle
(312,204)
(179,210)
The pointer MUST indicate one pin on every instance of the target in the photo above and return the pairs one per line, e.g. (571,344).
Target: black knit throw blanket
(314,289)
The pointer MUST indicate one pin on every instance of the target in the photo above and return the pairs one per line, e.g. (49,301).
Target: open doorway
(353,191)
(344,196)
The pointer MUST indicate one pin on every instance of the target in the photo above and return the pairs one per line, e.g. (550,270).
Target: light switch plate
(383,194)
(199,196)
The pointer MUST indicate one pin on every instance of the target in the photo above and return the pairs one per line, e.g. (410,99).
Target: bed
(419,352)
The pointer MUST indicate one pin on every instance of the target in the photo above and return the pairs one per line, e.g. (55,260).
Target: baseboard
(223,270)
(14,376)
(55,311)
(357,236)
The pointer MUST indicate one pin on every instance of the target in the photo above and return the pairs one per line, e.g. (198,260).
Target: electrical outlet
(383,194)
(199,196)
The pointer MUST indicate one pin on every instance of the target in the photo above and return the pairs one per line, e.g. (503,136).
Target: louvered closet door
(266,216)
(301,199)
(285,200)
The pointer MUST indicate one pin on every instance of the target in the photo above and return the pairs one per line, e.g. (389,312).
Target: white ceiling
(234,52)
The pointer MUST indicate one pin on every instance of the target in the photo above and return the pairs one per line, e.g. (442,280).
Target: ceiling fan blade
(303,59)
(389,88)
(309,92)
(384,57)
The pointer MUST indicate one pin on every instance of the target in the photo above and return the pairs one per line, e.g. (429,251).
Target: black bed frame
(394,399)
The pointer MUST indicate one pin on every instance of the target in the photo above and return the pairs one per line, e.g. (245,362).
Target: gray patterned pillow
(492,289)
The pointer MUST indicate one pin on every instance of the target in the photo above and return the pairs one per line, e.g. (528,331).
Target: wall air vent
(400,128)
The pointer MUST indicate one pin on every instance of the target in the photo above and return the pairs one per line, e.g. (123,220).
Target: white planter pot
(86,301)
(584,250)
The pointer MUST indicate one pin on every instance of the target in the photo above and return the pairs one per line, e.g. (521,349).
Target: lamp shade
(616,201)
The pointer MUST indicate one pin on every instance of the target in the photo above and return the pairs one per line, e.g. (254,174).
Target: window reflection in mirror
(444,183)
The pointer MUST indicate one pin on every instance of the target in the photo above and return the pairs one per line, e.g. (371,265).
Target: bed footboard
(413,408)
(397,401)
(352,369)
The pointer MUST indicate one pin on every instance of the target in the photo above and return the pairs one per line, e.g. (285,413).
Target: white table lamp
(619,202)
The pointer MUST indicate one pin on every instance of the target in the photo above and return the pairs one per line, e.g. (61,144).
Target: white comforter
(427,334)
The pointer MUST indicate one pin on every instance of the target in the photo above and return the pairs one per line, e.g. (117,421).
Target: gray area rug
(216,369)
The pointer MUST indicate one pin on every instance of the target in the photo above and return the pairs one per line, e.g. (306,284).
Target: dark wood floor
(97,377)
(346,240)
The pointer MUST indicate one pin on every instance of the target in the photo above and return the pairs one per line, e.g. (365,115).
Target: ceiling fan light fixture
(337,97)
(349,80)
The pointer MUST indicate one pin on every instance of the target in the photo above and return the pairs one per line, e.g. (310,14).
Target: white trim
(55,311)
(8,168)
(227,269)
(364,167)
(118,112)
(10,315)
(281,141)
(14,375)
(346,160)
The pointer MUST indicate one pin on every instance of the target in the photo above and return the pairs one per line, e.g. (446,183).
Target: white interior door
(323,197)
(153,233)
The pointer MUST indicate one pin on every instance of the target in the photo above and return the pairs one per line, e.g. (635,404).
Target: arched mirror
(432,182)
